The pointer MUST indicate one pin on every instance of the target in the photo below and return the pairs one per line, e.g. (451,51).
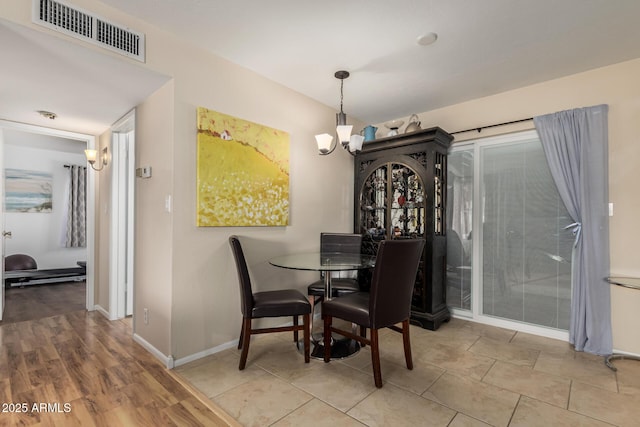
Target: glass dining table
(327,262)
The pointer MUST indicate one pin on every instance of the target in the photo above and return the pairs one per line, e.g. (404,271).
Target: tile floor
(465,374)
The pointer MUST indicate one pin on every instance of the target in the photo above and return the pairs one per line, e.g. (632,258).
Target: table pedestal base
(341,348)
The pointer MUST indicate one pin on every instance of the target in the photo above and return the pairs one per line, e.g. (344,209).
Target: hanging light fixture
(353,143)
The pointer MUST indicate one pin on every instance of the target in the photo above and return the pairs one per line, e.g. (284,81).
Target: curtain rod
(68,166)
(491,126)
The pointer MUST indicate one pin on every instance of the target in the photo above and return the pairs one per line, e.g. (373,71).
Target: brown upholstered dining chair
(387,304)
(277,303)
(341,284)
(336,242)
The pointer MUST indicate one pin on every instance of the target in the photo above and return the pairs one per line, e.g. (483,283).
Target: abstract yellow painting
(242,172)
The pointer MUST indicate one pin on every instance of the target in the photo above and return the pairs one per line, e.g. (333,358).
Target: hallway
(87,371)
(34,302)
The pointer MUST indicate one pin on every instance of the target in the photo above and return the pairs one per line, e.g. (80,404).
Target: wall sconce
(352,143)
(92,156)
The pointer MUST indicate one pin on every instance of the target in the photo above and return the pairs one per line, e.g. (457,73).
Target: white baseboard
(102,311)
(166,360)
(218,348)
(207,352)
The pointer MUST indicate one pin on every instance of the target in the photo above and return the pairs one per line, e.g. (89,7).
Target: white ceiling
(87,90)
(483,47)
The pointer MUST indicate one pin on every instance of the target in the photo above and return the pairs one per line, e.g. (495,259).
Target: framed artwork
(27,191)
(242,172)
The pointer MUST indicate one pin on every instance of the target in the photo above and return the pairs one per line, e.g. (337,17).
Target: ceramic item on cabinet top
(393,125)
(414,124)
(369,133)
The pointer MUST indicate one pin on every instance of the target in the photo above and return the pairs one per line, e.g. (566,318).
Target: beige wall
(184,274)
(205,287)
(617,86)
(153,225)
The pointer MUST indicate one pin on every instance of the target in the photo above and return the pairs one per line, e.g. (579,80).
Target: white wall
(40,234)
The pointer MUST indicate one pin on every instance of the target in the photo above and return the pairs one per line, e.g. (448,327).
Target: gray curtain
(77,212)
(575,143)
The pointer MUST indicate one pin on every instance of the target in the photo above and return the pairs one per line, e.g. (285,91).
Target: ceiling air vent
(86,26)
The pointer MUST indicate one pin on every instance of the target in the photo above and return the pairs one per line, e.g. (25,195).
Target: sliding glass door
(510,233)
(460,179)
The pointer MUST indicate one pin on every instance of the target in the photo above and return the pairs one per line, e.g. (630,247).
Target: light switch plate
(143,172)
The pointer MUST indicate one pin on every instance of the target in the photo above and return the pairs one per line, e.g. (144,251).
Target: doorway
(122,217)
(509,252)
(87,141)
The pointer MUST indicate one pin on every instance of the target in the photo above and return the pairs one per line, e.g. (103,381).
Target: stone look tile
(458,338)
(581,355)
(391,406)
(287,364)
(533,413)
(265,343)
(216,374)
(360,360)
(262,401)
(318,414)
(628,376)
(512,353)
(479,371)
(614,408)
(461,420)
(337,384)
(455,360)
(417,380)
(493,332)
(592,371)
(392,348)
(479,400)
(523,380)
(545,345)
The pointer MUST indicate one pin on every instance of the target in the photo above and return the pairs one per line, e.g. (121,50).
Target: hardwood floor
(80,369)
(37,301)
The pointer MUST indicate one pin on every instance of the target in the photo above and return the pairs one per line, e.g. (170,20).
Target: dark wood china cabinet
(400,193)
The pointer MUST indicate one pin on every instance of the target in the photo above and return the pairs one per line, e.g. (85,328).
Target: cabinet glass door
(393,203)
(373,204)
(407,202)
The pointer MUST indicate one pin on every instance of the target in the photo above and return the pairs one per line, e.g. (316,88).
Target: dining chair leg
(375,357)
(246,336)
(241,335)
(306,333)
(407,344)
(363,334)
(327,339)
(295,331)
